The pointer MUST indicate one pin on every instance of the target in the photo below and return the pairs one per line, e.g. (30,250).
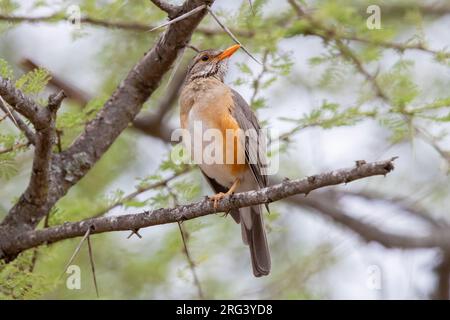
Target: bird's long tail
(254,235)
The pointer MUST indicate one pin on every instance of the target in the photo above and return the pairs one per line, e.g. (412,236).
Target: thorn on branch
(135,232)
(225,28)
(91,260)
(77,249)
(182,17)
(190,46)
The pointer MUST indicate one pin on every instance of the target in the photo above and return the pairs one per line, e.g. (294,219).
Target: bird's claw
(216,198)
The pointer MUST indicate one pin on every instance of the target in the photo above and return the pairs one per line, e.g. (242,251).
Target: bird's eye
(205,58)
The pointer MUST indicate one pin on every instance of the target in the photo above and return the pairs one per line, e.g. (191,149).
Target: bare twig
(20,124)
(15,147)
(184,238)
(190,262)
(257,81)
(129,26)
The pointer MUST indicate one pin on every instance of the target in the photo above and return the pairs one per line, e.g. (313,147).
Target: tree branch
(22,104)
(369,233)
(171,9)
(130,26)
(35,196)
(13,243)
(21,125)
(69,166)
(442,271)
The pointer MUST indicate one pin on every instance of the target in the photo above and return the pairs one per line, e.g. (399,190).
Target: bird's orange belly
(223,156)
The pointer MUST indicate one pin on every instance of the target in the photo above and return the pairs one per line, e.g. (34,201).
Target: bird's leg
(221,195)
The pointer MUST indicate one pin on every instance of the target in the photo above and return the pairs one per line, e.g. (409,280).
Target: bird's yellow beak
(228,52)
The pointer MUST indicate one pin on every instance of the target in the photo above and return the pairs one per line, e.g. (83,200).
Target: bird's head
(210,63)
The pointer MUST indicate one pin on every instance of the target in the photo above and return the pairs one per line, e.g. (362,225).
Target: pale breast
(205,105)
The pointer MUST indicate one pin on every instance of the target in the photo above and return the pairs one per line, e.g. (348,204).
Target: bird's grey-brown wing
(255,144)
(252,223)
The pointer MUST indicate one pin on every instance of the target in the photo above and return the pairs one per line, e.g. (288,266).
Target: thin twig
(5,108)
(257,81)
(128,26)
(184,238)
(191,262)
(251,6)
(14,147)
(224,27)
(14,117)
(33,260)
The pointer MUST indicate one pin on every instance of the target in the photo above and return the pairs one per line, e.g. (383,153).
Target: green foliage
(18,279)
(8,169)
(5,70)
(398,84)
(34,81)
(330,115)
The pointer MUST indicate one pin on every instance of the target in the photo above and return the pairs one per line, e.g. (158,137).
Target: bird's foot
(217,197)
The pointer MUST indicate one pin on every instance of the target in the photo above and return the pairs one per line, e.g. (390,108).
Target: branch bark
(36,194)
(171,9)
(14,243)
(68,167)
(22,104)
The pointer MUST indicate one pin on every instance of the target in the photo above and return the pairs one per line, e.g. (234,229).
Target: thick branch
(72,164)
(12,244)
(22,104)
(35,196)
(171,9)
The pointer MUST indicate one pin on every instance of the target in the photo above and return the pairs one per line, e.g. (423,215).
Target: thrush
(207,100)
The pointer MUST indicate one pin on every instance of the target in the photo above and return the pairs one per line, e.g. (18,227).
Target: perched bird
(205,98)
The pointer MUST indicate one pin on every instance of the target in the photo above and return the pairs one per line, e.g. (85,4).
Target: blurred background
(341,81)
